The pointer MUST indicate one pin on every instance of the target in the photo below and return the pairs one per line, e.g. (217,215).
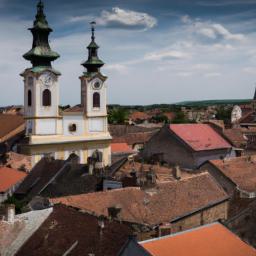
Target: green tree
(117,116)
(180,118)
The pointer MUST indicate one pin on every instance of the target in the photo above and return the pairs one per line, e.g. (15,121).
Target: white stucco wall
(78,120)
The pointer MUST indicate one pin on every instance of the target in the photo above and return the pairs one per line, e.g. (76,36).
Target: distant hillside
(202,103)
(213,102)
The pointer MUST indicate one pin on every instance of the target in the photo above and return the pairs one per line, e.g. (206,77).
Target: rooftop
(120,148)
(240,170)
(10,177)
(163,173)
(13,235)
(236,137)
(137,115)
(11,125)
(178,198)
(69,230)
(210,240)
(199,136)
(39,177)
(18,161)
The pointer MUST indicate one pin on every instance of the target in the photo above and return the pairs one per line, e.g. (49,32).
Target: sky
(156,51)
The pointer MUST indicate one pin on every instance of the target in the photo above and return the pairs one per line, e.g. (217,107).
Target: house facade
(186,145)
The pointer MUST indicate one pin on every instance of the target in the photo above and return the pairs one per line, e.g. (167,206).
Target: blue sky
(155,51)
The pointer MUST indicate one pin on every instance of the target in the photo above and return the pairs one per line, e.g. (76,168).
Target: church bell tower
(94,89)
(41,88)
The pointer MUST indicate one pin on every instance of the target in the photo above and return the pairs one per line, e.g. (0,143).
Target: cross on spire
(93,63)
(93,24)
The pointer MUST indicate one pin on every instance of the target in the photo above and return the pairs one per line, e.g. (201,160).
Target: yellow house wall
(62,151)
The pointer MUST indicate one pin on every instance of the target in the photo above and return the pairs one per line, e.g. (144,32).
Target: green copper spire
(41,53)
(93,64)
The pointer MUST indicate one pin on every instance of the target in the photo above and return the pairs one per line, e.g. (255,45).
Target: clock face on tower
(46,79)
(97,85)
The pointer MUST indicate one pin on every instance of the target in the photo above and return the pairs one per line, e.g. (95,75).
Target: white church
(80,130)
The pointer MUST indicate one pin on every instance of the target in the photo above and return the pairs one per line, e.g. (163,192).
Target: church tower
(41,88)
(80,130)
(254,101)
(94,89)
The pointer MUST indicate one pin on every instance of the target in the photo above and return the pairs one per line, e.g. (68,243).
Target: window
(47,98)
(29,98)
(72,128)
(96,100)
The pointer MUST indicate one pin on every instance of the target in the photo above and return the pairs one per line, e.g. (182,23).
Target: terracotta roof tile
(163,174)
(179,198)
(199,136)
(210,240)
(241,170)
(120,148)
(139,116)
(9,177)
(17,161)
(77,108)
(66,227)
(11,125)
(236,137)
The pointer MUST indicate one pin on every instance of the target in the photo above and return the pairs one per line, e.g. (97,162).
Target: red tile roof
(240,170)
(209,240)
(199,136)
(236,137)
(66,227)
(120,148)
(139,116)
(9,177)
(177,198)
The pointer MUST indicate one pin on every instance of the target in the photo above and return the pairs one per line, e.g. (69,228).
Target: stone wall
(210,215)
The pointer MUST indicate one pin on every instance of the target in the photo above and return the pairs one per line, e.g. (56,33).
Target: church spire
(254,97)
(41,53)
(93,63)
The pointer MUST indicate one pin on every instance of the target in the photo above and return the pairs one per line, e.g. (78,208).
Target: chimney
(114,212)
(10,213)
(101,224)
(177,172)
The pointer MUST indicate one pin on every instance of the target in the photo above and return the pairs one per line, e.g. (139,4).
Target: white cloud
(123,69)
(214,74)
(185,74)
(210,30)
(126,18)
(85,18)
(250,70)
(165,55)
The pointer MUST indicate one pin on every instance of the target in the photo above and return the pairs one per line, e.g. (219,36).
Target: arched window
(96,100)
(47,101)
(29,98)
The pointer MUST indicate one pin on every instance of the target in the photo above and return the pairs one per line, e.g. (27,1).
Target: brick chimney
(10,213)
(114,212)
(177,172)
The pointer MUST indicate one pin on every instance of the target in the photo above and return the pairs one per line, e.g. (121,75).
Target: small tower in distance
(254,101)
(94,89)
